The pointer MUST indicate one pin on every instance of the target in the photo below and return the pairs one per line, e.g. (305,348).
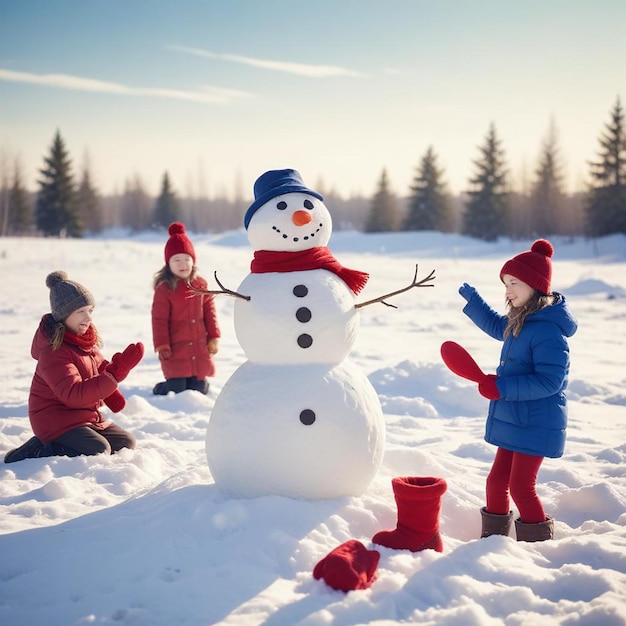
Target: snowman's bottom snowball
(301,431)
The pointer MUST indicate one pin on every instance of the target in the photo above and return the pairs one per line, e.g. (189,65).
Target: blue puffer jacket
(531,414)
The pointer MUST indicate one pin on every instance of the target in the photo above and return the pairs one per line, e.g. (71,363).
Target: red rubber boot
(419,502)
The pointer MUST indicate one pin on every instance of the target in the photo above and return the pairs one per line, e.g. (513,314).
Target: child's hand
(488,388)
(467,291)
(212,345)
(460,361)
(116,401)
(122,363)
(165,352)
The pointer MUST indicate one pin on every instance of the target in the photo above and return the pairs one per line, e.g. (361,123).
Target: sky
(147,537)
(216,93)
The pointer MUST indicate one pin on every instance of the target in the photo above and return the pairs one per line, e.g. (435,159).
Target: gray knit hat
(66,295)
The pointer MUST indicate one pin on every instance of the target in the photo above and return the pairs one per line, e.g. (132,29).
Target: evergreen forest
(67,203)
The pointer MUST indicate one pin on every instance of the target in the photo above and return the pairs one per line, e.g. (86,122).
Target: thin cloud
(209,95)
(301,69)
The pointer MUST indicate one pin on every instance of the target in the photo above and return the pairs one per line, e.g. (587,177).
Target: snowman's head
(290,222)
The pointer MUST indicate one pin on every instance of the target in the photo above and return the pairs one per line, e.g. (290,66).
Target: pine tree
(486,211)
(88,202)
(606,206)
(428,205)
(547,197)
(20,209)
(56,213)
(383,215)
(167,209)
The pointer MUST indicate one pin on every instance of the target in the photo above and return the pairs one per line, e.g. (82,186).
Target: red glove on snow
(165,352)
(488,387)
(116,401)
(349,566)
(122,363)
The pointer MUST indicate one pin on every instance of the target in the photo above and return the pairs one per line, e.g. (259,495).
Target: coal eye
(308,204)
(281,206)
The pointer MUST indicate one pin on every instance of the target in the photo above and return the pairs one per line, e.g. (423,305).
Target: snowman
(297,418)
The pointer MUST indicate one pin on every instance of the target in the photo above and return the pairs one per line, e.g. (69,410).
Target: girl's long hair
(165,275)
(56,331)
(517,315)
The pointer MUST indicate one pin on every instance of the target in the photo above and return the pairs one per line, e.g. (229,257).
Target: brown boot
(541,531)
(494,524)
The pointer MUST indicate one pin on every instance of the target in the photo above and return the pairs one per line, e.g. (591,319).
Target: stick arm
(425,282)
(221,290)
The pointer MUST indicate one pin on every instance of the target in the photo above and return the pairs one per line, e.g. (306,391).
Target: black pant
(180,384)
(88,441)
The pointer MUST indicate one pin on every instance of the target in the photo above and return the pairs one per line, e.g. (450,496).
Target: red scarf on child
(86,341)
(311,259)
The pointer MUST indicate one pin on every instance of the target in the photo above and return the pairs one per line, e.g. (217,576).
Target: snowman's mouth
(299,237)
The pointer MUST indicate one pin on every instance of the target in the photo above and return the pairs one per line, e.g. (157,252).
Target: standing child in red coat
(73,381)
(184,324)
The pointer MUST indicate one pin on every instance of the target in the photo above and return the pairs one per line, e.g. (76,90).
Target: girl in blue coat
(528,410)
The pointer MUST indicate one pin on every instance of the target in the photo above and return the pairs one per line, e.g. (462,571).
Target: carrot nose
(301,218)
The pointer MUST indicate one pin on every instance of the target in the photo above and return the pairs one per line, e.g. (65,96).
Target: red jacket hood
(43,335)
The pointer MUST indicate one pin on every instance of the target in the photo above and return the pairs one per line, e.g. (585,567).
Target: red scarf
(85,342)
(312,259)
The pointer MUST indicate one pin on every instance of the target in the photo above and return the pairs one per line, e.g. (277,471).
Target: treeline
(65,207)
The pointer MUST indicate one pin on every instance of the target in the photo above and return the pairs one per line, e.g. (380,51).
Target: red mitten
(459,361)
(122,363)
(488,387)
(349,566)
(116,401)
(164,352)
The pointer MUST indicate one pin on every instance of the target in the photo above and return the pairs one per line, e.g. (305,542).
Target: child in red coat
(185,331)
(73,380)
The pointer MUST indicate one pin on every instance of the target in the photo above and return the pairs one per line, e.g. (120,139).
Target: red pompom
(542,246)
(176,228)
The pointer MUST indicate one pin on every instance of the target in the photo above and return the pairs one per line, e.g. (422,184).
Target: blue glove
(467,291)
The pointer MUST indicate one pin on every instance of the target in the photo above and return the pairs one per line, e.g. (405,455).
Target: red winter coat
(184,321)
(67,388)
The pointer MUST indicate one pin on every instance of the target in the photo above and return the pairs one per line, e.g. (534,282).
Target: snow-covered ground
(145,538)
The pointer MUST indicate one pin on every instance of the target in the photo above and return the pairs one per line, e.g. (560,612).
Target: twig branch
(422,283)
(222,290)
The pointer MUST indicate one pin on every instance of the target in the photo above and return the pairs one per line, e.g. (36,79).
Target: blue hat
(276,183)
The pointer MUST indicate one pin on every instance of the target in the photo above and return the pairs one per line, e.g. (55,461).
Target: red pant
(515,473)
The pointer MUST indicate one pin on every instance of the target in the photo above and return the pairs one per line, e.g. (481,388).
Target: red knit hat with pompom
(533,267)
(178,243)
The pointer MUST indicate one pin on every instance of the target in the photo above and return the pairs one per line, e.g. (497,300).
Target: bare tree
(136,205)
